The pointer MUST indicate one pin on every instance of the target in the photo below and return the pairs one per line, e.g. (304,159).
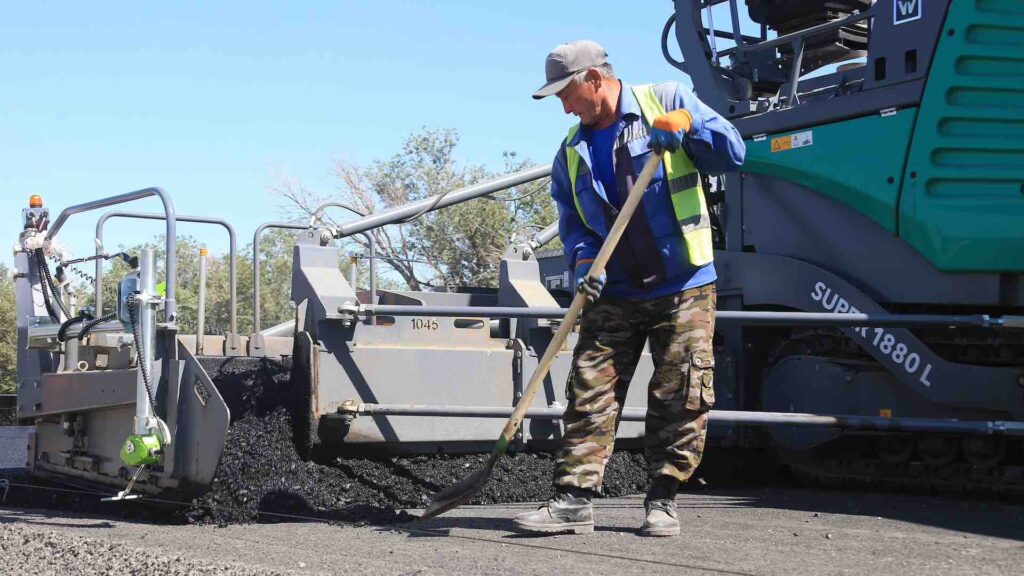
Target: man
(659,284)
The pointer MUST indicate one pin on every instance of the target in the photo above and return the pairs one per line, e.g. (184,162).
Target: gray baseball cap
(566,60)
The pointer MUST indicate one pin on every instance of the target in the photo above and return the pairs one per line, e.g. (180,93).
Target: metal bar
(170,305)
(794,75)
(399,213)
(805,33)
(373,269)
(544,236)
(256,265)
(147,329)
(1007,428)
(231,250)
(70,355)
(232,253)
(712,35)
(283,329)
(726,35)
(201,306)
(745,317)
(734,12)
(681,66)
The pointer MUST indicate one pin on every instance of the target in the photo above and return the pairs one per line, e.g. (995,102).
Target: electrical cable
(63,330)
(425,210)
(55,291)
(140,353)
(45,269)
(88,326)
(540,187)
(40,266)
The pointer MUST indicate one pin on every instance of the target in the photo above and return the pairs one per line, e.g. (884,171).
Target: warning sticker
(783,143)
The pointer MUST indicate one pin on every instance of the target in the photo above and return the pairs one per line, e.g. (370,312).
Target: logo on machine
(879,342)
(904,11)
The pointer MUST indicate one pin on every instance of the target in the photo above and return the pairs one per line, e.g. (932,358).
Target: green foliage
(8,333)
(459,245)
(275,282)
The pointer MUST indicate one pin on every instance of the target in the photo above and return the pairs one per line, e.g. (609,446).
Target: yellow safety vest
(683,184)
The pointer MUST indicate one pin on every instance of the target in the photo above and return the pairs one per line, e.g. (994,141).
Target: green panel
(850,161)
(963,198)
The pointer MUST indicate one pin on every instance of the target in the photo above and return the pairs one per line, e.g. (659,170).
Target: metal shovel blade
(459,493)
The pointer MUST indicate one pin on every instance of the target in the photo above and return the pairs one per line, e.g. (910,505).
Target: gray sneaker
(562,513)
(661,518)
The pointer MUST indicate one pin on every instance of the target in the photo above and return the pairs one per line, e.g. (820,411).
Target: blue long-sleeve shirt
(651,260)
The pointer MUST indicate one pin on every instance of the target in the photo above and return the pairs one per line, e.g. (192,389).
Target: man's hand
(587,284)
(668,130)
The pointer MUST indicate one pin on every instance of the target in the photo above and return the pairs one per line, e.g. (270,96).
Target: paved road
(757,532)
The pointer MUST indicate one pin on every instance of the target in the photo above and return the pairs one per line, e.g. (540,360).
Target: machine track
(909,463)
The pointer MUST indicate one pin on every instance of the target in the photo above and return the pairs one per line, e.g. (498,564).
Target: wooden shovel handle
(600,261)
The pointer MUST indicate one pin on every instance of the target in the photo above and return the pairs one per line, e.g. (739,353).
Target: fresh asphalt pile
(262,476)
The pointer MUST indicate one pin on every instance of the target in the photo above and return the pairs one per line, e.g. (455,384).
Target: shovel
(461,492)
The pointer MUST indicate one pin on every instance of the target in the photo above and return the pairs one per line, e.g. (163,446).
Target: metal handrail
(800,34)
(170,304)
(256,264)
(232,250)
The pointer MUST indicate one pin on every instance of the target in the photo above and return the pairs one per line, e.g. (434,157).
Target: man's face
(582,99)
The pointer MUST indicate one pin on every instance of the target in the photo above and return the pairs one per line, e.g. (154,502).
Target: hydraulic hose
(43,272)
(45,269)
(62,332)
(54,291)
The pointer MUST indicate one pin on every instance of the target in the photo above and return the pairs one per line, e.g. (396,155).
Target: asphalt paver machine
(869,254)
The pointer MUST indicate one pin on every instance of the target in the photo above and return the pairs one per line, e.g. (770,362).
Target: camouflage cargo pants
(612,335)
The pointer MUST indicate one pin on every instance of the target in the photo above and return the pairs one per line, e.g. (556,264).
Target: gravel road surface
(733,532)
(13,446)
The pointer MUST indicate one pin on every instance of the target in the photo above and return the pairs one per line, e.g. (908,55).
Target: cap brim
(553,87)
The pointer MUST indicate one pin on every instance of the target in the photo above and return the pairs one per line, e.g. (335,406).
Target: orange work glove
(668,130)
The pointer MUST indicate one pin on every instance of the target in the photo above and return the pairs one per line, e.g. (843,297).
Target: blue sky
(213,101)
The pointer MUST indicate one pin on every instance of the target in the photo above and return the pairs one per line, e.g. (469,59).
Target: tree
(8,333)
(275,282)
(459,245)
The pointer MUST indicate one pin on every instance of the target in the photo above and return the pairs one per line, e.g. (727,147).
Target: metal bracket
(349,312)
(124,494)
(349,408)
